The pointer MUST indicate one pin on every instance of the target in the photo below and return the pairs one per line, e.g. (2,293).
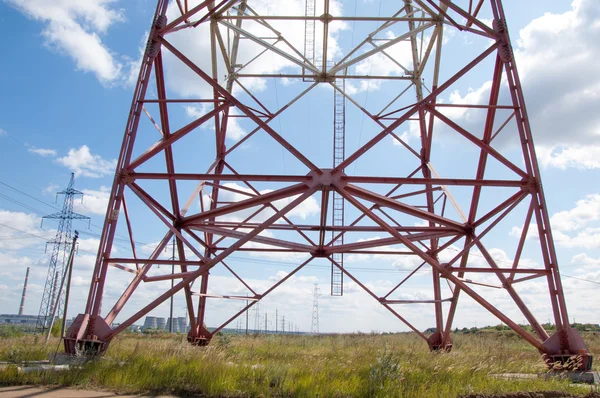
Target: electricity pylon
(61,245)
(314,327)
(440,176)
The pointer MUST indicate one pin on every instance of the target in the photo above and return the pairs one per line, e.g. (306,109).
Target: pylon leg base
(87,337)
(575,356)
(199,337)
(569,362)
(199,341)
(437,344)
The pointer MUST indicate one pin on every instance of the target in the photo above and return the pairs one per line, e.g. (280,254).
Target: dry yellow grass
(362,365)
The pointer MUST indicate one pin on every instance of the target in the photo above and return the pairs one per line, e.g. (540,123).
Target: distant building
(151,322)
(18,320)
(156,323)
(179,324)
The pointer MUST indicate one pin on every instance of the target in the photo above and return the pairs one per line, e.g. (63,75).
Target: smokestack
(24,292)
(54,287)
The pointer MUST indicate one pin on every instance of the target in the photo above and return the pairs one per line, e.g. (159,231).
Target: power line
(29,196)
(54,207)
(580,279)
(19,203)
(37,236)
(291,264)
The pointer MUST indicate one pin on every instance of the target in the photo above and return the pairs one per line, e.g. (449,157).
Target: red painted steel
(418,217)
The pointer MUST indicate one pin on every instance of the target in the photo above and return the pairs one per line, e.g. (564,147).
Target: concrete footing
(73,360)
(587,377)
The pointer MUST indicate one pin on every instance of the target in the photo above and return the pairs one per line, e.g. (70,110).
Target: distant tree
(10,331)
(55,332)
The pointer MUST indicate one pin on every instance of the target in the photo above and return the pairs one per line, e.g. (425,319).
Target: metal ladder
(339,154)
(339,137)
(309,33)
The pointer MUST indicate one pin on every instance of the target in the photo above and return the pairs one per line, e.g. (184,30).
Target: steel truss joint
(505,51)
(325,179)
(326,18)
(127,177)
(153,46)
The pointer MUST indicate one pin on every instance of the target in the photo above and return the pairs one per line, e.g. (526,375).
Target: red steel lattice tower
(434,221)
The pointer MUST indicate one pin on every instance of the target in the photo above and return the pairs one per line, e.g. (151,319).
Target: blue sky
(67,77)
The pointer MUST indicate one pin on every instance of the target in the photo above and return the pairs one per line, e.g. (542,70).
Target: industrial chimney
(24,291)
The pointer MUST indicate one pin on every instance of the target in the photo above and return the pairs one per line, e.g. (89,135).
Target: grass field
(360,365)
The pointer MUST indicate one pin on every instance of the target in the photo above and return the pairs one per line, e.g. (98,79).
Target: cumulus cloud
(88,244)
(94,201)
(585,262)
(20,230)
(74,28)
(585,211)
(381,65)
(51,189)
(192,43)
(562,110)
(304,210)
(235,131)
(577,156)
(83,163)
(574,228)
(12,263)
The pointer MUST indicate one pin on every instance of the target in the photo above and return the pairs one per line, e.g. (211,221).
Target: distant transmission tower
(58,260)
(257,319)
(314,328)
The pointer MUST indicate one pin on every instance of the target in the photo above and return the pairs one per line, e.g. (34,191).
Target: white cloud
(133,65)
(3,133)
(20,230)
(88,244)
(42,151)
(560,157)
(192,43)
(279,276)
(196,112)
(83,163)
(51,189)
(74,28)
(585,211)
(586,262)
(557,56)
(412,133)
(589,238)
(574,228)
(235,131)
(380,65)
(532,232)
(304,210)
(11,262)
(399,262)
(94,201)
(473,96)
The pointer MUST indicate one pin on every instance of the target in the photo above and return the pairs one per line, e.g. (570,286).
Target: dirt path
(60,392)
(542,394)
